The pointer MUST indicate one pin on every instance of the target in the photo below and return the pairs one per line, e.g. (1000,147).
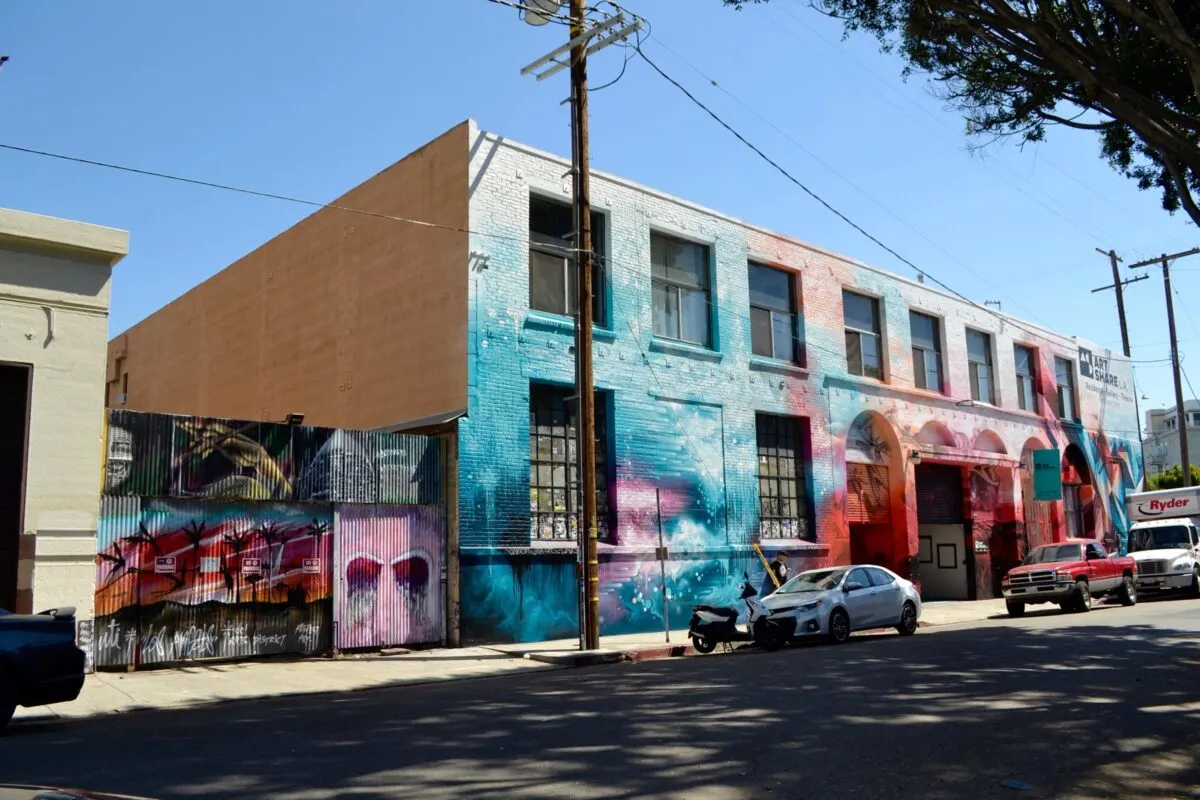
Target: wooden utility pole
(1118,286)
(586,397)
(1180,411)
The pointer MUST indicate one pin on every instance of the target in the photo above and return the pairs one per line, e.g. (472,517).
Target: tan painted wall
(352,320)
(54,293)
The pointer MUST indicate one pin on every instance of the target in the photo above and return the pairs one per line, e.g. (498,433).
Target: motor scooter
(714,625)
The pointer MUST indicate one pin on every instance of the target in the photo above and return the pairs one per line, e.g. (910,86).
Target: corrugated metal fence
(217,539)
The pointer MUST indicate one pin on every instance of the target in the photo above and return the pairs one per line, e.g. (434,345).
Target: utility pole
(584,391)
(1180,413)
(1118,286)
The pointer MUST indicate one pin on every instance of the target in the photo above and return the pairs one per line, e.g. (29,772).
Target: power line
(829,167)
(822,201)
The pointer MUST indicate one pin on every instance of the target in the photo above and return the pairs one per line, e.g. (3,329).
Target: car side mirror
(853,586)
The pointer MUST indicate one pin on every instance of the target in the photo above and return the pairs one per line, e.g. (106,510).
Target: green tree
(1172,478)
(1127,69)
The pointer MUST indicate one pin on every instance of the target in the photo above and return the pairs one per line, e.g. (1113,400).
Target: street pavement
(1098,705)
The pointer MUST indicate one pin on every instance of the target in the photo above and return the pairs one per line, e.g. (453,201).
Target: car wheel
(1015,608)
(908,620)
(1083,597)
(1127,594)
(839,626)
(703,644)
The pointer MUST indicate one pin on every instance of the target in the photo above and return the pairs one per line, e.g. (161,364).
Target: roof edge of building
(56,234)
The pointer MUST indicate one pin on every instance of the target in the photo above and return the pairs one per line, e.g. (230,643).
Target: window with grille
(864,336)
(1026,377)
(926,351)
(782,484)
(680,285)
(773,328)
(553,275)
(979,363)
(1065,374)
(553,466)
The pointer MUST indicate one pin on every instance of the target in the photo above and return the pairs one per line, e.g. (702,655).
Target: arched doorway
(874,494)
(994,537)
(1079,495)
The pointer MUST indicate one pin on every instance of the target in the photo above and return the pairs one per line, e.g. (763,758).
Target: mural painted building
(751,389)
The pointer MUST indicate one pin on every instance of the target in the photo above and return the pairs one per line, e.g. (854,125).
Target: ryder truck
(1164,539)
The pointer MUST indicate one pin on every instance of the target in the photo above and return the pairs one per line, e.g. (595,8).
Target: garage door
(939,494)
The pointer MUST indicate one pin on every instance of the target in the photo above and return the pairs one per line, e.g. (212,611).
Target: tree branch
(1071,123)
(1181,186)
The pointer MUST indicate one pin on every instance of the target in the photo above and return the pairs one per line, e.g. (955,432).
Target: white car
(836,601)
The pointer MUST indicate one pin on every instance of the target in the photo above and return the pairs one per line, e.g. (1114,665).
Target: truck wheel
(1127,594)
(1083,597)
(1194,586)
(1015,608)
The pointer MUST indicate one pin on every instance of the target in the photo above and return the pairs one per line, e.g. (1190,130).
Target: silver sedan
(835,601)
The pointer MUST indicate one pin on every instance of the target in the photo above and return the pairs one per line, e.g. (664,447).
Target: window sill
(794,546)
(684,349)
(765,364)
(545,321)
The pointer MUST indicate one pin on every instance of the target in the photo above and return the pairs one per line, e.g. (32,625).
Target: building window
(553,466)
(979,362)
(782,487)
(1064,370)
(1026,377)
(553,284)
(926,351)
(864,340)
(681,289)
(773,322)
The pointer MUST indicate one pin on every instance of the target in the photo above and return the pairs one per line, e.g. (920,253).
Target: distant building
(751,389)
(54,285)
(1161,443)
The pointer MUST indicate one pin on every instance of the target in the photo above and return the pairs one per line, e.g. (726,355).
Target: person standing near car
(778,568)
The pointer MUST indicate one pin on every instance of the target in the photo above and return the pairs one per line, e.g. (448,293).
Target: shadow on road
(1088,711)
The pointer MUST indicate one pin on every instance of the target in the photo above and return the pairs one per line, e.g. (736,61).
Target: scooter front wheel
(703,644)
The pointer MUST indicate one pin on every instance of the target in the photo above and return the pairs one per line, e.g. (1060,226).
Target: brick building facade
(751,389)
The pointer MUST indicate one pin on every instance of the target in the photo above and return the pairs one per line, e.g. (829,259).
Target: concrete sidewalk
(203,684)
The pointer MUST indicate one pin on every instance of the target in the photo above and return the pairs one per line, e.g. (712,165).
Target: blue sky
(309,98)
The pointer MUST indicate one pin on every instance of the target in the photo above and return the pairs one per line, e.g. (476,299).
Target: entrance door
(943,562)
(14,417)
(943,557)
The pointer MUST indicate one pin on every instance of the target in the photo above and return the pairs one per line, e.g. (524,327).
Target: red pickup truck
(1069,573)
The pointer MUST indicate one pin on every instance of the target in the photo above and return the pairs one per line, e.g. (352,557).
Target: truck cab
(1164,540)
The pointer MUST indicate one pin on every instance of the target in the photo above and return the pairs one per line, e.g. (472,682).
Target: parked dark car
(39,661)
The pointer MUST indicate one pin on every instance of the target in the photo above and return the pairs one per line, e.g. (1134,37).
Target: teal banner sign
(1047,475)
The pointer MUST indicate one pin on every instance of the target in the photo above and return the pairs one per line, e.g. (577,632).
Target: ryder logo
(1156,508)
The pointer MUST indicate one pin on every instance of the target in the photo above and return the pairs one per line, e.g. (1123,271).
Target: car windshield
(1165,537)
(1053,553)
(819,580)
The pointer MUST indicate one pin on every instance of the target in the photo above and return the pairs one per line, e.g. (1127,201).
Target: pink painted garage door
(389,567)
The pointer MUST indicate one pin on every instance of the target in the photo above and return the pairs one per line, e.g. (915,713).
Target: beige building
(54,295)
(1161,445)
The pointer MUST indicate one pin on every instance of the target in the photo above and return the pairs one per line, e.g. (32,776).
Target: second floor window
(926,351)
(864,339)
(979,362)
(553,275)
(680,277)
(1026,377)
(773,313)
(1064,371)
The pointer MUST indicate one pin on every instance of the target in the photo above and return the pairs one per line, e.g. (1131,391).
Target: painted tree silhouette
(237,541)
(194,531)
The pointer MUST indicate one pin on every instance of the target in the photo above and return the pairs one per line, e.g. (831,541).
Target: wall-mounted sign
(981,546)
(311,566)
(1047,475)
(251,566)
(164,565)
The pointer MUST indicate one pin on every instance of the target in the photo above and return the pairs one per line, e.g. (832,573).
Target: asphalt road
(1098,705)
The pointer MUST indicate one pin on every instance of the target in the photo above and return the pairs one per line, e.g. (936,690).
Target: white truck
(1164,539)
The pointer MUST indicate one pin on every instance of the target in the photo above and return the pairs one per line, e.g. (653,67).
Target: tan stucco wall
(353,320)
(54,296)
